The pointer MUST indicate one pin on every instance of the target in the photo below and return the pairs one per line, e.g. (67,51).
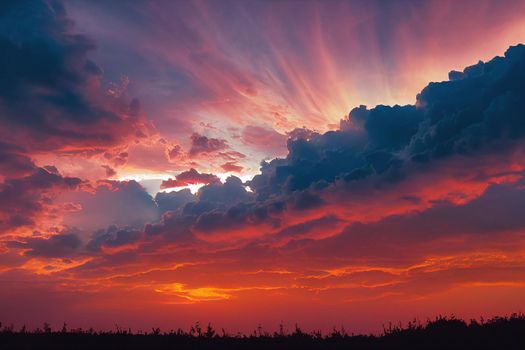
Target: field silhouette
(440,333)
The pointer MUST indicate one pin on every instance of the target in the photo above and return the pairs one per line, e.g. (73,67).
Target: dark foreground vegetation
(441,333)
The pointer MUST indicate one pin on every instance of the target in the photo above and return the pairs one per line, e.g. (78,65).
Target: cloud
(232,167)
(444,228)
(232,191)
(14,162)
(24,199)
(110,172)
(482,105)
(175,152)
(60,245)
(223,204)
(202,144)
(113,237)
(50,90)
(190,177)
(304,228)
(174,200)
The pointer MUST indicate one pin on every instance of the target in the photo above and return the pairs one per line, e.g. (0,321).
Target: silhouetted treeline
(441,333)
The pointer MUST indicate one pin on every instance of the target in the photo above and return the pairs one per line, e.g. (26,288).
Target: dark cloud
(174,226)
(14,162)
(232,191)
(480,105)
(113,236)
(68,244)
(320,158)
(496,211)
(120,159)
(49,89)
(304,200)
(190,177)
(234,217)
(60,245)
(483,105)
(174,200)
(202,144)
(110,172)
(215,205)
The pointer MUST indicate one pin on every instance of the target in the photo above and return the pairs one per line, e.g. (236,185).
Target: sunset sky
(245,163)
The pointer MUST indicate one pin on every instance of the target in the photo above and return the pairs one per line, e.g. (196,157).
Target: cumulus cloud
(113,237)
(232,191)
(174,200)
(480,106)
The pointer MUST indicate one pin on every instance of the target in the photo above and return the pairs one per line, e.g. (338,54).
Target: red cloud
(190,177)
(232,166)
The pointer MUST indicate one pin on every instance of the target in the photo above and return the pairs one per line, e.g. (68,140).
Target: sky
(246,163)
